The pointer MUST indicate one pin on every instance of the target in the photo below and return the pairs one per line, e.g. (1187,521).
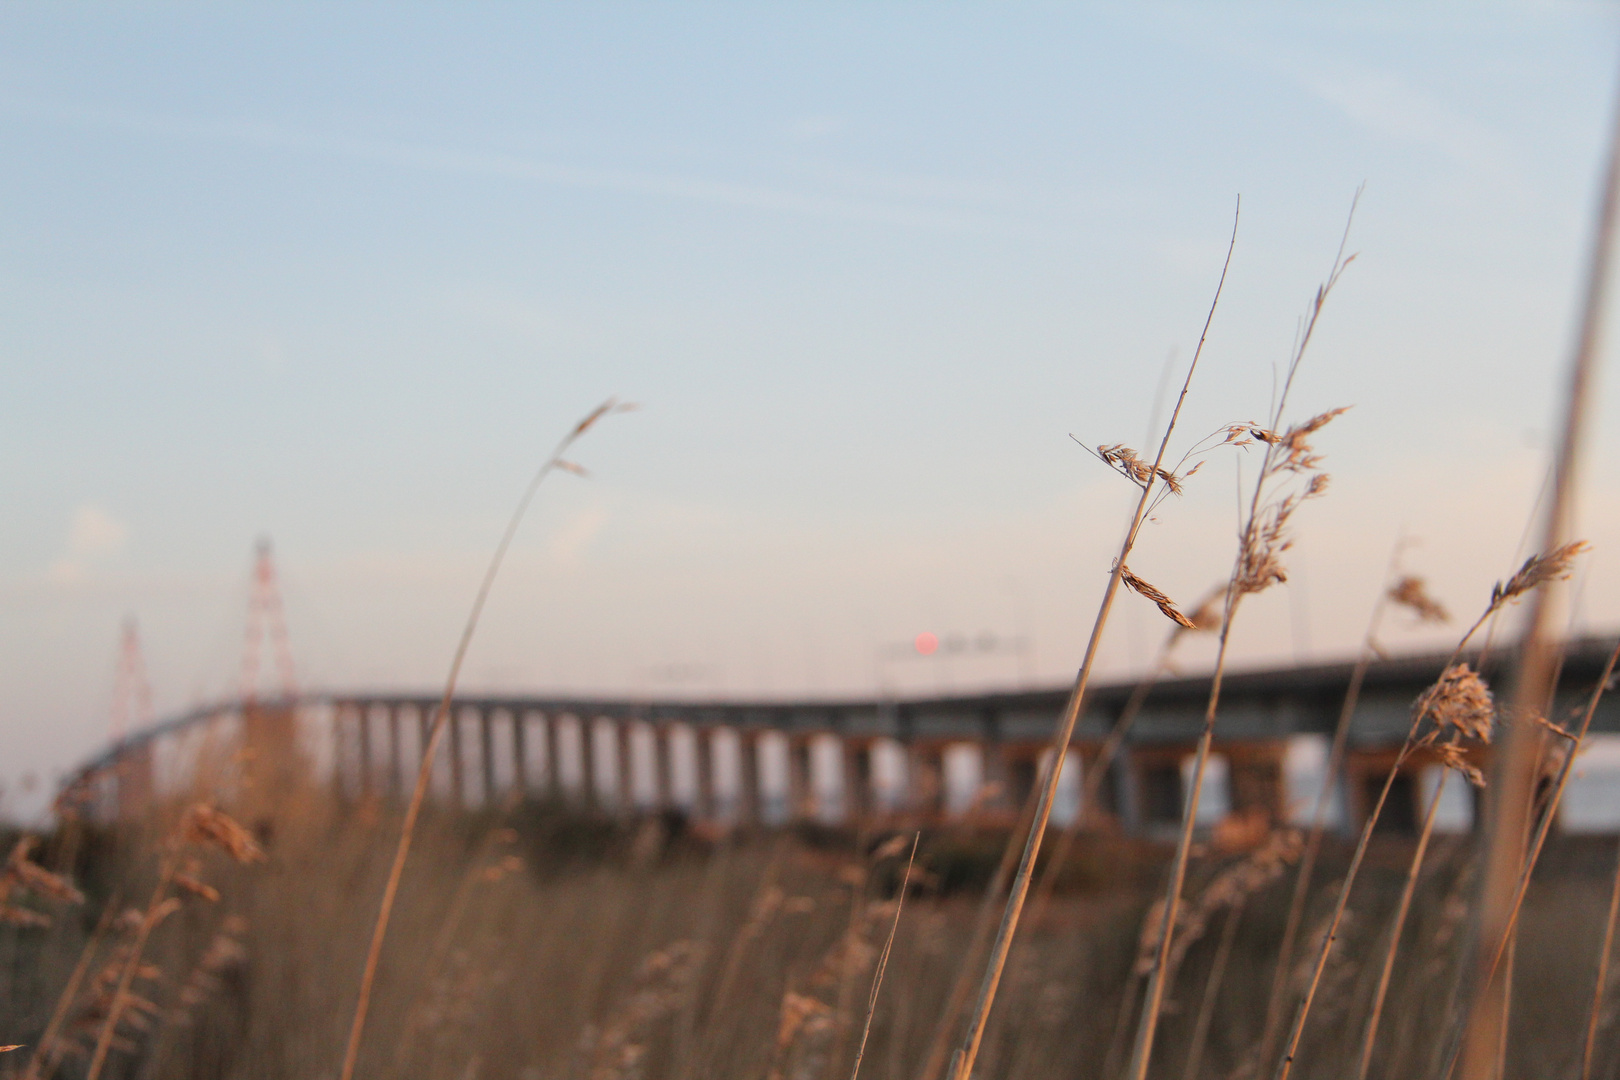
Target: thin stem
(448,928)
(1212,987)
(1550,813)
(424,772)
(1143,1053)
(1370,1033)
(1090,787)
(43,1060)
(1157,978)
(1500,1072)
(1595,1015)
(846,977)
(1071,712)
(1286,1064)
(939,1049)
(1513,785)
(1313,840)
(883,960)
(1127,1009)
(149,919)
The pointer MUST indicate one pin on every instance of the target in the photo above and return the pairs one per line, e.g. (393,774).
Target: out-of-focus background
(342,277)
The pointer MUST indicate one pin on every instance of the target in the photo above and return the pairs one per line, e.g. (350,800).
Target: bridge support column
(133,775)
(855,786)
(486,743)
(548,731)
(801,779)
(663,769)
(520,754)
(707,806)
(363,724)
(395,759)
(750,800)
(587,763)
(452,735)
(623,774)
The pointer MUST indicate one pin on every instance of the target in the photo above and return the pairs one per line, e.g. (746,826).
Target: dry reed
(1263,538)
(883,961)
(1456,681)
(963,1064)
(1407,591)
(1508,808)
(424,775)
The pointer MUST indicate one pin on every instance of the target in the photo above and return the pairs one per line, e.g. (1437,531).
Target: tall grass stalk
(1212,989)
(1369,1034)
(157,909)
(1090,789)
(1324,799)
(883,960)
(1549,813)
(1534,573)
(1513,784)
(1594,1016)
(43,1060)
(963,1065)
(424,772)
(1092,776)
(939,1048)
(1254,568)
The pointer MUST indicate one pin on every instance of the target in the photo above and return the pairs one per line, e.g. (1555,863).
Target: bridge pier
(663,768)
(801,793)
(623,771)
(750,798)
(706,806)
(394,762)
(855,780)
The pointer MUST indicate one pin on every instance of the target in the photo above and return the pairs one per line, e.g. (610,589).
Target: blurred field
(548,945)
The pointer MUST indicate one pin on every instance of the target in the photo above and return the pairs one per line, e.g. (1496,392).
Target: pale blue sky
(343,274)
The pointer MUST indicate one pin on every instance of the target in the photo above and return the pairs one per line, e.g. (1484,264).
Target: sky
(341,275)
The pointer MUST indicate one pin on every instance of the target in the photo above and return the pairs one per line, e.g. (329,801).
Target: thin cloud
(472,163)
(94,536)
(1388,105)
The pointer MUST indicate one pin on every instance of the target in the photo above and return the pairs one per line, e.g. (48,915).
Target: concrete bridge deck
(774,761)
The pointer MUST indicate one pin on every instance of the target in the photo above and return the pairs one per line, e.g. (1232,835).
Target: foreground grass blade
(424,772)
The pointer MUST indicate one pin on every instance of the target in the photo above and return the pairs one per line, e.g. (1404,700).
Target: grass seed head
(1165,605)
(1557,565)
(1459,703)
(22,872)
(1452,756)
(205,825)
(1131,465)
(1409,592)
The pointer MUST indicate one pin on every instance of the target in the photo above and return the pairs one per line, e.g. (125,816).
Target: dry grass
(697,960)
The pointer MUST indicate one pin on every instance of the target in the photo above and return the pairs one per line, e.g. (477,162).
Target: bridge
(932,759)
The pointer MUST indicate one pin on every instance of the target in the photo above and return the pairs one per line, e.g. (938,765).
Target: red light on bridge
(927,644)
